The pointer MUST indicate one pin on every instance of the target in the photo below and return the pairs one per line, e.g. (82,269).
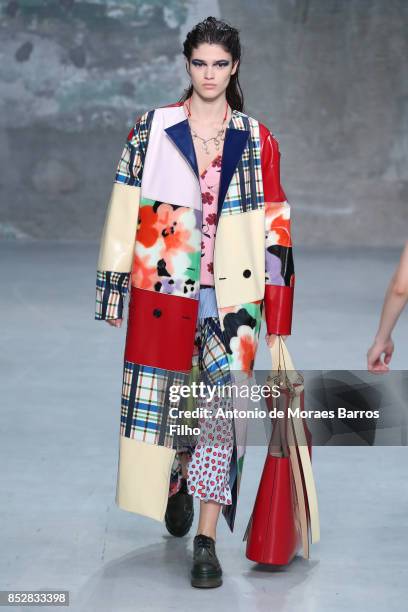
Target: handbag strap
(281,357)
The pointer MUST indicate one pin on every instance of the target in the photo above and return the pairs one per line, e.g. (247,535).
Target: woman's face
(210,68)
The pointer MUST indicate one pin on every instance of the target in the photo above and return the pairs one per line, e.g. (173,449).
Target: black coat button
(157,312)
(247,273)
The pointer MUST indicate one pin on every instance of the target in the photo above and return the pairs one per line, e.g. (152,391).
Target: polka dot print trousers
(208,468)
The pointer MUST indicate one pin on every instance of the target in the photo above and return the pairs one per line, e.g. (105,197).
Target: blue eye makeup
(221,63)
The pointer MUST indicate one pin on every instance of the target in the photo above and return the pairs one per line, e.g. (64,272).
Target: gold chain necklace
(218,138)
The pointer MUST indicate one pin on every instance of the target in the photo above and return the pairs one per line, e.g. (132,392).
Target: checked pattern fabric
(146,403)
(146,400)
(111,290)
(131,163)
(245,191)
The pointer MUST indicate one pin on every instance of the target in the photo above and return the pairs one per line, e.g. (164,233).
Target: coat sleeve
(117,241)
(279,265)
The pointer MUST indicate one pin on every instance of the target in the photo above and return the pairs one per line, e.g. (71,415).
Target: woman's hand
(270,339)
(374,363)
(114,322)
(396,298)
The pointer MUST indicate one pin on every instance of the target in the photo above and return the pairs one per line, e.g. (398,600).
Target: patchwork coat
(150,249)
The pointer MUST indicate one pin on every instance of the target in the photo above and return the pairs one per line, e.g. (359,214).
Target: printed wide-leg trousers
(210,457)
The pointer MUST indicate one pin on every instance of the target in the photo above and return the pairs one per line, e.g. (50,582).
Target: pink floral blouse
(209,182)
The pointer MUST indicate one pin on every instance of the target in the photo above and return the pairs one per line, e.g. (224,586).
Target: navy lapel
(234,144)
(181,136)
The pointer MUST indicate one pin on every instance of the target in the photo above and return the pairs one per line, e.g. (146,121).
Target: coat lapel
(181,136)
(236,137)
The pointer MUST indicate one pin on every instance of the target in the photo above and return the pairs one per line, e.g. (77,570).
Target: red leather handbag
(285,508)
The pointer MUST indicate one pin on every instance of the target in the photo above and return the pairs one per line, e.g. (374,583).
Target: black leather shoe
(180,512)
(206,571)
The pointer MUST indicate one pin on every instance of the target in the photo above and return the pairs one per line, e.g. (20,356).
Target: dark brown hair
(215,31)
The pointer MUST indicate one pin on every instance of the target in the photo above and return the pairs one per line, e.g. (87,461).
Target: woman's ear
(235,67)
(188,72)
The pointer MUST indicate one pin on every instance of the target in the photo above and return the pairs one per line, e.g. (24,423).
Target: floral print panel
(168,249)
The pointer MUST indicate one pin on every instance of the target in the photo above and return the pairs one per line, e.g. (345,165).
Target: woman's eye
(197,65)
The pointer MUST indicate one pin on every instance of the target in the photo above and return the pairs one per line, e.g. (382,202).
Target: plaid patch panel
(213,357)
(245,191)
(131,163)
(111,290)
(146,403)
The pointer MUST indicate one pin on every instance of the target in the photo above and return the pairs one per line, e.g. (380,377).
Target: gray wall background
(328,77)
